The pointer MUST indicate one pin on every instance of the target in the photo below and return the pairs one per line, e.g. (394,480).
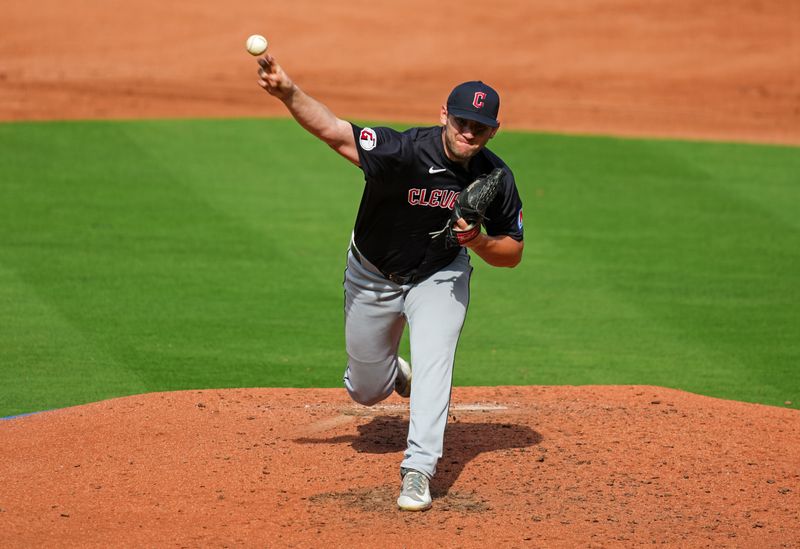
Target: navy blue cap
(475,101)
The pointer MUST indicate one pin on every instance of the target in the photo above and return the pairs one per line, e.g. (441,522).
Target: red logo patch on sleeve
(368,139)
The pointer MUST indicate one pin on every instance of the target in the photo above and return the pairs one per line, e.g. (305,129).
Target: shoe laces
(415,482)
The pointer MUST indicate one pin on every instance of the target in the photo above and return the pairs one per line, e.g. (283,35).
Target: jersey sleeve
(504,215)
(380,150)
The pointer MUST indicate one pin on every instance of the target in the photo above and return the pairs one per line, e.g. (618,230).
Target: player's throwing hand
(272,78)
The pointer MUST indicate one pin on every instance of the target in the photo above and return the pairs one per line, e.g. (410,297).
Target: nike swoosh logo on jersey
(433,170)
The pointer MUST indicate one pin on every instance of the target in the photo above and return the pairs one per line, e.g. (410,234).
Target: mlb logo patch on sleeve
(368,139)
(519,219)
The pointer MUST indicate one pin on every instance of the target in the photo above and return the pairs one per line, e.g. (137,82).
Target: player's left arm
(498,251)
(502,243)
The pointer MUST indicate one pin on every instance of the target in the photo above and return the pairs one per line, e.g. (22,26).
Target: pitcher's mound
(523,466)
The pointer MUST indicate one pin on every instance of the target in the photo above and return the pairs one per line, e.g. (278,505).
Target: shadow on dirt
(463,441)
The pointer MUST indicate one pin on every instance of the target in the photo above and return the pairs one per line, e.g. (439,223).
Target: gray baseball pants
(376,313)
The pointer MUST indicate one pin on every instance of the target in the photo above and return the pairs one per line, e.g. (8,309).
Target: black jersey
(411,187)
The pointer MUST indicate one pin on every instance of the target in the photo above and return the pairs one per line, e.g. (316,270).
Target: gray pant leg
(435,309)
(374,324)
(375,316)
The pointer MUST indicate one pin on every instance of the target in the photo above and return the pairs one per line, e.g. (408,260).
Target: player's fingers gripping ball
(471,205)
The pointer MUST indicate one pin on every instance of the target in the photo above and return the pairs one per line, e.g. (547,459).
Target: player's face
(464,138)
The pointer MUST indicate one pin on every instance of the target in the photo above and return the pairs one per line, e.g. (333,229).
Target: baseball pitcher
(428,194)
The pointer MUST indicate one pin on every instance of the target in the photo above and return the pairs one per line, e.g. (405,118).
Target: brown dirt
(722,69)
(523,467)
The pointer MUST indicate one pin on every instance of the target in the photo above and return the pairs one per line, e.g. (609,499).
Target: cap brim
(469,115)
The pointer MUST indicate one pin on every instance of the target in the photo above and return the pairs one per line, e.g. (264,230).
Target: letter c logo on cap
(477,101)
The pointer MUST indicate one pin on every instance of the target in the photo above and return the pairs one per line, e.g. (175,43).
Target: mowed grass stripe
(61,366)
(653,274)
(144,265)
(210,254)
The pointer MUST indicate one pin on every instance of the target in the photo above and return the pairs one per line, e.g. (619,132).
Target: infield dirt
(719,69)
(523,467)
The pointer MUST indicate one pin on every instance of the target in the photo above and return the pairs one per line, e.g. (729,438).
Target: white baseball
(256,44)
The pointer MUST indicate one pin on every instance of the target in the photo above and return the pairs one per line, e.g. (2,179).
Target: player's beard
(456,150)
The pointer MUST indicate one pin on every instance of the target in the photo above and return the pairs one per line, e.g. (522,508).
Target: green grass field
(164,255)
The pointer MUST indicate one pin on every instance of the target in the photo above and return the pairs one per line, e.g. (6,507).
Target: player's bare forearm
(498,251)
(310,113)
(318,120)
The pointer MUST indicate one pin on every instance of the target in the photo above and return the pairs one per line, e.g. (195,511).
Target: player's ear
(443,116)
(494,130)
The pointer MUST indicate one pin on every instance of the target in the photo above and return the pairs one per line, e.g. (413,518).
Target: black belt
(400,280)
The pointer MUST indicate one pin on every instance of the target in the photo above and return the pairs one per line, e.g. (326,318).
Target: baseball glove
(471,205)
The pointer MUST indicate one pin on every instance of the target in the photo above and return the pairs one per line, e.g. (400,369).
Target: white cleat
(402,383)
(416,493)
